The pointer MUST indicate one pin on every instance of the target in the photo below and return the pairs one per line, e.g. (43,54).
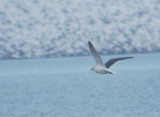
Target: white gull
(100,67)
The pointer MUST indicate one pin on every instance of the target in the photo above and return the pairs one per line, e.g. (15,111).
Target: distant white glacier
(55,28)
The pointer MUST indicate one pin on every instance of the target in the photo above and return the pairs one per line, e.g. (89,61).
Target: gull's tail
(110,72)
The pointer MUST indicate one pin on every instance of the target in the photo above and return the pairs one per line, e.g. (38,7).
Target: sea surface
(64,87)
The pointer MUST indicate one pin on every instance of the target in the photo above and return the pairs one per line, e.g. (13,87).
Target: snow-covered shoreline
(53,28)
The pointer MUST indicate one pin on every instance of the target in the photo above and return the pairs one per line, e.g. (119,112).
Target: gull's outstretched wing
(95,54)
(112,61)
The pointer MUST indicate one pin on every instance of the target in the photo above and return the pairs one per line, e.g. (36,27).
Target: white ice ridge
(53,28)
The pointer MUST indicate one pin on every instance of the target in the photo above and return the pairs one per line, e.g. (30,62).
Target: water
(64,87)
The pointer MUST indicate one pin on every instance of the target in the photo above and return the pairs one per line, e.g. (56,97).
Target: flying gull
(100,67)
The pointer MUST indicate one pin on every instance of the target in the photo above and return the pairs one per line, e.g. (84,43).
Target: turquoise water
(64,87)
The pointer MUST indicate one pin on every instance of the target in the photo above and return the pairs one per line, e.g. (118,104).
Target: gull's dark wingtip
(131,57)
(90,44)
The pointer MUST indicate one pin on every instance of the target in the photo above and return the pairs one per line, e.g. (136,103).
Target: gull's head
(92,69)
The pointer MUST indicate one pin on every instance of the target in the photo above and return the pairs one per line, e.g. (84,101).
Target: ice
(54,28)
(64,87)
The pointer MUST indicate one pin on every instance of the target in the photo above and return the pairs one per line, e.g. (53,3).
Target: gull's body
(100,67)
(101,70)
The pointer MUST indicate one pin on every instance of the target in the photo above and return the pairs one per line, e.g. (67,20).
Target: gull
(100,67)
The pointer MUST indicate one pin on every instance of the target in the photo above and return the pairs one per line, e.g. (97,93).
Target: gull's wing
(112,61)
(95,54)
